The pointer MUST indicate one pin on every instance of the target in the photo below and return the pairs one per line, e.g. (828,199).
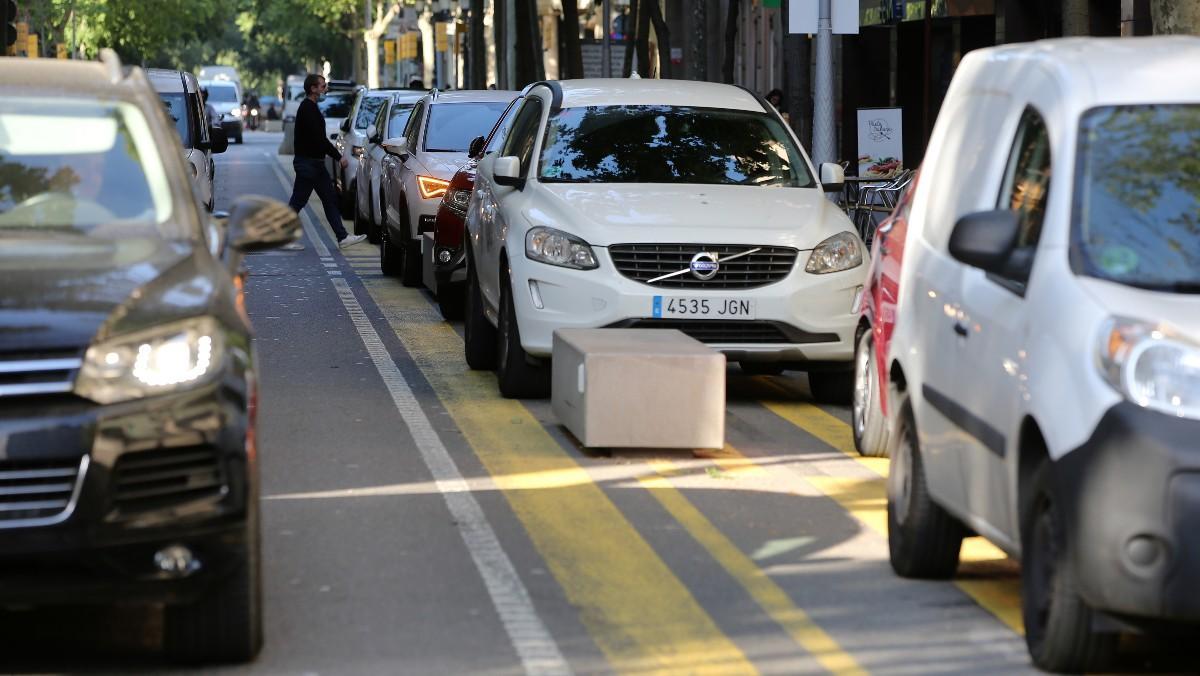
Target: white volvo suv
(1045,363)
(658,204)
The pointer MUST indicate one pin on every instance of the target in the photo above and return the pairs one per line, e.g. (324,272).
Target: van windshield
(1136,216)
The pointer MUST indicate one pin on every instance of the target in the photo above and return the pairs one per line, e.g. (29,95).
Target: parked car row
(128,469)
(1029,348)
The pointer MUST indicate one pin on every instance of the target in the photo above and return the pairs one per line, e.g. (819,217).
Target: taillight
(431,187)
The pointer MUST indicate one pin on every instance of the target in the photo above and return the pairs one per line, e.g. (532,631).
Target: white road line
(530,639)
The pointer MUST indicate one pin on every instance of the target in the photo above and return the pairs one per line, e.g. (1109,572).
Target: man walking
(311,148)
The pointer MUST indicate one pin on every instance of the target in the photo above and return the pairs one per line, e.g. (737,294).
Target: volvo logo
(704,266)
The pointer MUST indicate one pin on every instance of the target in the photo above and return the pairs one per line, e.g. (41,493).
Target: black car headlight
(156,361)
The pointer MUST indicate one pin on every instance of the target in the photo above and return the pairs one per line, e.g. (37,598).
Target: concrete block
(640,388)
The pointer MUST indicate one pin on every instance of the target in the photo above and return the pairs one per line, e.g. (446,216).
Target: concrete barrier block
(639,388)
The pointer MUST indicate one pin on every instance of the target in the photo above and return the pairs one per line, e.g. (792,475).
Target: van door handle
(960,329)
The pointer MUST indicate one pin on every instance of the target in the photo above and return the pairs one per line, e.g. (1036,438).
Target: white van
(1046,358)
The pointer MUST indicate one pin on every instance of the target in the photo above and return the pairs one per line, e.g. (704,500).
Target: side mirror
(985,239)
(258,223)
(507,171)
(833,177)
(218,142)
(397,146)
(476,147)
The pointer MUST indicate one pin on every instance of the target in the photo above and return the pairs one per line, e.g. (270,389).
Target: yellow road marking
(638,612)
(731,461)
(773,600)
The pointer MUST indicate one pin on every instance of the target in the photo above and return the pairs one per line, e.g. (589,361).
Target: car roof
(650,92)
(167,81)
(474,96)
(61,77)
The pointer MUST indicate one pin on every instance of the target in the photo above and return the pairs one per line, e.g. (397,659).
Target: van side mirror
(507,171)
(476,147)
(397,146)
(218,142)
(833,177)
(257,223)
(986,239)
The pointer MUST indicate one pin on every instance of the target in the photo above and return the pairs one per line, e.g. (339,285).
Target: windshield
(176,105)
(368,108)
(398,119)
(452,126)
(222,94)
(668,144)
(103,178)
(336,104)
(1137,196)
(295,92)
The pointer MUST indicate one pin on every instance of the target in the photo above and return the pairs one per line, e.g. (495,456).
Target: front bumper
(1132,503)
(175,469)
(814,311)
(233,126)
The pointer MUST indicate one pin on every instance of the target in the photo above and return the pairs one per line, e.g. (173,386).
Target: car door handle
(960,329)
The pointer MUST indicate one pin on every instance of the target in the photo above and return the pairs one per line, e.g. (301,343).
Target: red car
(870,402)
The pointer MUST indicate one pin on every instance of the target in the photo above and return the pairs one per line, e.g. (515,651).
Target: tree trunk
(1075,17)
(1175,17)
(631,23)
(574,57)
(371,39)
(797,92)
(643,39)
(699,54)
(477,46)
(530,64)
(663,33)
(731,27)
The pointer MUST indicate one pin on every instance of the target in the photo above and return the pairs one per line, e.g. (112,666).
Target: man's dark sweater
(310,133)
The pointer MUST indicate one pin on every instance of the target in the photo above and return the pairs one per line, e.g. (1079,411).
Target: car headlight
(357,151)
(236,112)
(155,361)
(555,247)
(456,200)
(1151,365)
(837,253)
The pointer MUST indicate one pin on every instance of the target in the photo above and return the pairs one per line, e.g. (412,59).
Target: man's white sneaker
(350,240)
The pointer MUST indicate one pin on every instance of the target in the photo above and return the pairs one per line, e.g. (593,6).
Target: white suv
(1046,356)
(659,204)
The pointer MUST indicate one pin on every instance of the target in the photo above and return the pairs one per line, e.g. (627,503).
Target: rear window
(452,126)
(336,104)
(1136,216)
(398,119)
(669,144)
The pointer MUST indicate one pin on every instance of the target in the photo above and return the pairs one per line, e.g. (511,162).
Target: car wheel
(348,203)
(390,257)
(760,368)
(412,264)
(239,138)
(479,336)
(225,625)
(360,224)
(451,301)
(518,378)
(1058,624)
(866,416)
(923,539)
(831,387)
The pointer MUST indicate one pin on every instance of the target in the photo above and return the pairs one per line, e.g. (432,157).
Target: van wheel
(1058,624)
(390,258)
(518,378)
(923,539)
(866,416)
(225,625)
(831,387)
(479,339)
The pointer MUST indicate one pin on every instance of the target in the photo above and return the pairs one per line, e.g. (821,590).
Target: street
(416,522)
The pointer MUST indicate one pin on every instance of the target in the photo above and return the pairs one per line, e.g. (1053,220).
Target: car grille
(730,331)
(643,262)
(36,492)
(154,479)
(44,372)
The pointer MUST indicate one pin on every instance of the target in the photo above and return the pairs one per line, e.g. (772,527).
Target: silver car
(180,93)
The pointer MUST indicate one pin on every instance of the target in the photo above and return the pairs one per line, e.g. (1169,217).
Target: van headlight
(1151,365)
(555,247)
(156,361)
(837,253)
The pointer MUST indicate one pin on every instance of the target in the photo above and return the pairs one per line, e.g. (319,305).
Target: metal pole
(824,149)
(606,43)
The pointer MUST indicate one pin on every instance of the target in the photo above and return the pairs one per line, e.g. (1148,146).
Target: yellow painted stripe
(731,462)
(638,612)
(773,600)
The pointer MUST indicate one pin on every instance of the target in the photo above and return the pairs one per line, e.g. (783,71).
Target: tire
(866,417)
(239,138)
(390,257)
(1058,624)
(518,378)
(831,387)
(348,203)
(923,539)
(412,264)
(760,368)
(479,336)
(224,625)
(361,227)
(451,301)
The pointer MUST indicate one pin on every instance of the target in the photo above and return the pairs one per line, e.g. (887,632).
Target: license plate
(702,308)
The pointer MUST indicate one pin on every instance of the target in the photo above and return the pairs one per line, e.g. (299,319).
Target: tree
(663,36)
(477,48)
(574,52)
(643,39)
(731,26)
(371,38)
(1175,17)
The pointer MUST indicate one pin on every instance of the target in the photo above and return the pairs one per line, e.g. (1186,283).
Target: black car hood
(60,292)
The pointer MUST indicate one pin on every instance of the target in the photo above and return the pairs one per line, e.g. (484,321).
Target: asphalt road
(415,522)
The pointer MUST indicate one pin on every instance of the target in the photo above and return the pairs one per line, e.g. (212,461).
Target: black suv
(127,382)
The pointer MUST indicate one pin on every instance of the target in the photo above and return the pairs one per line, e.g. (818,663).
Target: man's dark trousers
(311,175)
